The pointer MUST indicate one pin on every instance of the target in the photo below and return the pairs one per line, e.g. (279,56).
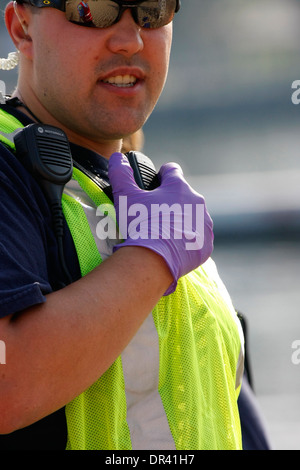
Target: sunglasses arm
(58,4)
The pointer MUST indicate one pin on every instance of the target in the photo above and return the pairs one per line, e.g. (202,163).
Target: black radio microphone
(45,151)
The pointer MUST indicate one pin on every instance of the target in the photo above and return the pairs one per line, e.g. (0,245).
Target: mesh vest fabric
(104,403)
(199,348)
(199,345)
(8,124)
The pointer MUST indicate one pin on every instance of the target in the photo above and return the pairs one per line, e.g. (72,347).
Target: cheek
(159,49)
(160,72)
(52,83)
(53,69)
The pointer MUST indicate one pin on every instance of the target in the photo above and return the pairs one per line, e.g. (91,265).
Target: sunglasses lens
(99,13)
(155,13)
(104,13)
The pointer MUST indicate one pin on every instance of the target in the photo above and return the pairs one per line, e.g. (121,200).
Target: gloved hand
(171,220)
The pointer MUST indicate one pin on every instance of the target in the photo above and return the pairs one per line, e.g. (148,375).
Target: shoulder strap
(87,251)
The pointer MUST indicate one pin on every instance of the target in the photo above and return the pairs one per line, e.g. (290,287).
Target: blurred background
(227,117)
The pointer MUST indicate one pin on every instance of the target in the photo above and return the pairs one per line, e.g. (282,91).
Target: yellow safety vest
(199,359)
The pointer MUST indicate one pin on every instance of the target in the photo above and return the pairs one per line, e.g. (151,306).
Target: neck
(104,148)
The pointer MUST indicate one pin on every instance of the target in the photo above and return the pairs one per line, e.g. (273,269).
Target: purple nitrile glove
(171,220)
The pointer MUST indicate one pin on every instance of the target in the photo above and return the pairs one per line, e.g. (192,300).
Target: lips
(123,77)
(122,81)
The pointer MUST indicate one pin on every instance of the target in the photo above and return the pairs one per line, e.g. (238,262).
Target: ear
(17,20)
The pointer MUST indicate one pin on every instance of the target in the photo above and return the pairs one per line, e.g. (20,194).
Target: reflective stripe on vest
(191,398)
(9,125)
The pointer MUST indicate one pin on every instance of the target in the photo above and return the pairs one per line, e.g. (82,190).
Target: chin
(129,123)
(126,133)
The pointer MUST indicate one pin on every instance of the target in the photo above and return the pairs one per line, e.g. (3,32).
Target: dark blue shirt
(30,266)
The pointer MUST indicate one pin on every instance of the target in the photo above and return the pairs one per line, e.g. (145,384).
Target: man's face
(100,83)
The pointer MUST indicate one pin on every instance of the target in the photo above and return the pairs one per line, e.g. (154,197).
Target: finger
(120,173)
(171,174)
(169,169)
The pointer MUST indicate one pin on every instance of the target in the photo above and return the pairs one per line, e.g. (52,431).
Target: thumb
(169,173)
(120,173)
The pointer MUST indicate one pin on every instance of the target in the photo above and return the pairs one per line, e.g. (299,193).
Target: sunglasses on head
(104,13)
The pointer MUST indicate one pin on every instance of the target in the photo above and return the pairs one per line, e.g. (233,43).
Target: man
(127,378)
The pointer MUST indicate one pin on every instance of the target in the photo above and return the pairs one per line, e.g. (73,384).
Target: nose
(125,36)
